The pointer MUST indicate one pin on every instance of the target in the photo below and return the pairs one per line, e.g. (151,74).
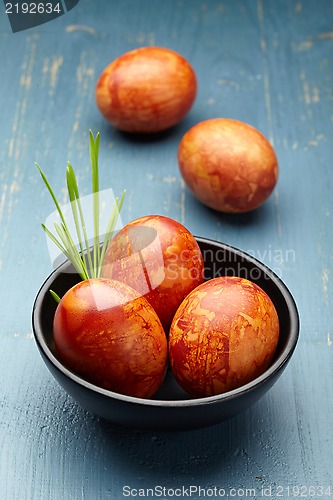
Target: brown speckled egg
(228,165)
(223,335)
(108,334)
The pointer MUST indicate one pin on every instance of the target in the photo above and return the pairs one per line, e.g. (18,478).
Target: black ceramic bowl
(172,408)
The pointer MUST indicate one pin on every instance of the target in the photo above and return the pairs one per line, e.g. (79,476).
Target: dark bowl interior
(172,408)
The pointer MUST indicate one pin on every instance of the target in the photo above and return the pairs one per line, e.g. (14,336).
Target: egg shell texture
(146,90)
(228,165)
(109,334)
(158,257)
(223,335)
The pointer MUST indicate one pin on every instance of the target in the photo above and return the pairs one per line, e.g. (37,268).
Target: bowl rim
(253,385)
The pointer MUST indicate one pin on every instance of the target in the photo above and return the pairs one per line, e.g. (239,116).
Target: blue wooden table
(268,63)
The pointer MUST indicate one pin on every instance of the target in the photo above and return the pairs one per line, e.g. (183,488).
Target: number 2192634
(33,8)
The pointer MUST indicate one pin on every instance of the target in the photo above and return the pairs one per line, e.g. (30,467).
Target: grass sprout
(86,260)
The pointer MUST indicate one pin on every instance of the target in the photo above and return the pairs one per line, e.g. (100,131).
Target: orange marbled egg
(146,90)
(223,335)
(107,333)
(160,258)
(228,165)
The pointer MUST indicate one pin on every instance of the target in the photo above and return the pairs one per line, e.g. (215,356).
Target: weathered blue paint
(265,62)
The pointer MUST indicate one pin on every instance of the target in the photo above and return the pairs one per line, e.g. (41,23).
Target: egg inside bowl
(172,408)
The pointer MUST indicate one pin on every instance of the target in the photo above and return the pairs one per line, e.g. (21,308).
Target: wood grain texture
(268,63)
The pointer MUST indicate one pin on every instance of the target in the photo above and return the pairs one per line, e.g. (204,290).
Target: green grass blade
(47,184)
(85,249)
(86,241)
(55,296)
(87,263)
(73,253)
(110,228)
(55,241)
(94,151)
(74,196)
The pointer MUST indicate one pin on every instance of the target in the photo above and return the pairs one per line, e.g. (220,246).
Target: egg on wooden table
(146,90)
(228,165)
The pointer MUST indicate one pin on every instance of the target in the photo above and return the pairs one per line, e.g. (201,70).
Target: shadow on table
(246,446)
(171,135)
(195,453)
(262,215)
